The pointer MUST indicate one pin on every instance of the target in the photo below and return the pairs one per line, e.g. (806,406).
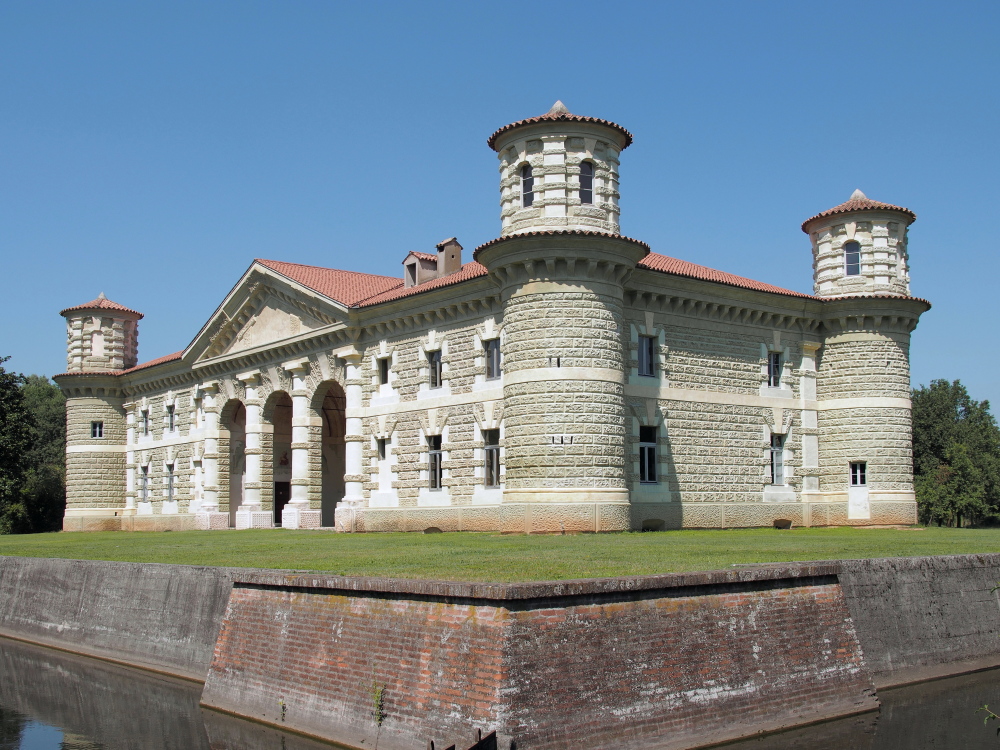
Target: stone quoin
(566,379)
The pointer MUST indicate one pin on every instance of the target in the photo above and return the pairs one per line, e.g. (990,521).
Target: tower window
(774,369)
(491,457)
(492,348)
(97,429)
(777,459)
(434,369)
(647,356)
(383,371)
(852,259)
(647,455)
(859,474)
(434,470)
(527,186)
(586,182)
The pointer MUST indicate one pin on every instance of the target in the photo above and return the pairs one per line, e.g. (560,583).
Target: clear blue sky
(152,150)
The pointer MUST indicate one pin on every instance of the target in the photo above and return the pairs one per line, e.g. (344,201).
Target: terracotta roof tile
(665,264)
(469,271)
(346,287)
(101,303)
(422,256)
(860,202)
(153,363)
(559,113)
(553,232)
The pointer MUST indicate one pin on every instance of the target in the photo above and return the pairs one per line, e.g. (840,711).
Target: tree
(45,479)
(16,424)
(956,456)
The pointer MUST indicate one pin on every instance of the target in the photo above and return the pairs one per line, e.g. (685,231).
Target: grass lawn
(496,557)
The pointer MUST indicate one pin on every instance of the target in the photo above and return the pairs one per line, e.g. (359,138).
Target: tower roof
(559,113)
(860,202)
(101,303)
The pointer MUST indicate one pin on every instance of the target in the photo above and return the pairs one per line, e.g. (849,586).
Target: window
(774,369)
(411,273)
(383,371)
(852,258)
(647,356)
(586,182)
(647,455)
(859,474)
(777,459)
(434,369)
(170,417)
(491,458)
(434,462)
(380,444)
(170,482)
(493,370)
(97,429)
(145,422)
(527,186)
(555,362)
(144,484)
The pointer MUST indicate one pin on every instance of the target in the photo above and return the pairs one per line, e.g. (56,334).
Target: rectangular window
(97,429)
(434,369)
(555,362)
(145,422)
(144,484)
(586,182)
(170,482)
(491,456)
(380,444)
(852,259)
(434,472)
(647,455)
(859,474)
(493,370)
(777,459)
(383,371)
(170,417)
(647,356)
(774,369)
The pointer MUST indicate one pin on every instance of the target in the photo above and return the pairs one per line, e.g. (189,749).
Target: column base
(298,517)
(254,519)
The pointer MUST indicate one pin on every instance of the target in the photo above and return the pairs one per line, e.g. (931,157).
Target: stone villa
(565,378)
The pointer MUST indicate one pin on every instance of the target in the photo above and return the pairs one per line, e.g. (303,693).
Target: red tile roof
(860,202)
(422,256)
(469,271)
(346,287)
(559,113)
(553,232)
(153,362)
(665,264)
(101,303)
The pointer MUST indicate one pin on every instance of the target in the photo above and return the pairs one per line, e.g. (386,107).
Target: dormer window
(852,258)
(586,182)
(527,186)
(411,274)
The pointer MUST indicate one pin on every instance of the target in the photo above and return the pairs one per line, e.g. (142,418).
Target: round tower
(559,171)
(859,248)
(561,268)
(101,336)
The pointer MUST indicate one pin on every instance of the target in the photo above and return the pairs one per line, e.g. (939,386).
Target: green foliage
(956,456)
(32,449)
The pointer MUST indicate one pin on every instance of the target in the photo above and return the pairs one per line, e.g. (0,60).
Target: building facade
(565,379)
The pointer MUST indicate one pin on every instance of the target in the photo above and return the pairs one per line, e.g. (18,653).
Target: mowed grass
(501,558)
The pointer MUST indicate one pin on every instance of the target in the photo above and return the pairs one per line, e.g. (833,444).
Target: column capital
(350,354)
(211,387)
(811,347)
(249,378)
(296,366)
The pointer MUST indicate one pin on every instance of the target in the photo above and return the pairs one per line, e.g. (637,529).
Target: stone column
(129,459)
(250,514)
(810,430)
(210,517)
(354,441)
(296,514)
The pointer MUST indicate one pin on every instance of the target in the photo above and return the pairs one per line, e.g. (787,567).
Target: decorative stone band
(548,374)
(565,495)
(96,449)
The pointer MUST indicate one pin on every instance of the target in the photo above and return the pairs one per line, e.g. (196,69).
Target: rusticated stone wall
(95,479)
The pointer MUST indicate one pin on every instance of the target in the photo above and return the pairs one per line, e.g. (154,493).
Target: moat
(51,700)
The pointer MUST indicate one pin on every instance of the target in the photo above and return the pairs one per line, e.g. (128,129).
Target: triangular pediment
(264,308)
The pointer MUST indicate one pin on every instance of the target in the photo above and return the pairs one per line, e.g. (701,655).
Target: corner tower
(561,267)
(101,336)
(859,248)
(559,171)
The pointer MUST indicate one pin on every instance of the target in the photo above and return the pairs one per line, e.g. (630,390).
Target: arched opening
(330,404)
(232,444)
(278,456)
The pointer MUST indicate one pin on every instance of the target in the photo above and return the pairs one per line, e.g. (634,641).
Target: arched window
(852,258)
(586,182)
(527,186)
